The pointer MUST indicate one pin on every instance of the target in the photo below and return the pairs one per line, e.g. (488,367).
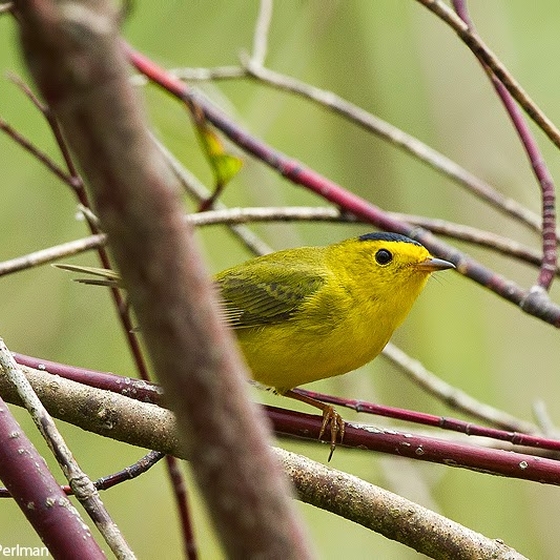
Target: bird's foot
(337,426)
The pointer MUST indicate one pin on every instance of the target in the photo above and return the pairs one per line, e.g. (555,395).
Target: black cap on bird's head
(387,236)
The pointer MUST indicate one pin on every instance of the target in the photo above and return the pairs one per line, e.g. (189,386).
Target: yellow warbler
(314,312)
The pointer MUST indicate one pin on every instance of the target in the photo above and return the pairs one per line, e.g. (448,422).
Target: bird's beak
(432,265)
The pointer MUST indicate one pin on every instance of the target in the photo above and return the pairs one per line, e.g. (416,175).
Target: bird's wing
(265,294)
(256,295)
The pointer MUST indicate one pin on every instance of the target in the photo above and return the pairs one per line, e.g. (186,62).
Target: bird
(310,313)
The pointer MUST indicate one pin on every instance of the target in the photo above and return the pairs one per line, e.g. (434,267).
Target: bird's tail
(97,276)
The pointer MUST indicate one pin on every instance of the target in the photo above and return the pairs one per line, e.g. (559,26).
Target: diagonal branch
(396,137)
(531,301)
(77,61)
(150,426)
(538,164)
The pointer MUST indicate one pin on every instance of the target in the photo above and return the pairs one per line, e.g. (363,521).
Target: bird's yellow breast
(341,326)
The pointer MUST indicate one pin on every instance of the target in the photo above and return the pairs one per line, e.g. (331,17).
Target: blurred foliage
(399,62)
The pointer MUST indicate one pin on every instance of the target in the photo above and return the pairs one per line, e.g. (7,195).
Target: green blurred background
(398,61)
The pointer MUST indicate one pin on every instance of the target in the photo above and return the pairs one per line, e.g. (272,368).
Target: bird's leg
(330,416)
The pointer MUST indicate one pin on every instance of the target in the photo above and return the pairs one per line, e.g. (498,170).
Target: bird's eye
(383,257)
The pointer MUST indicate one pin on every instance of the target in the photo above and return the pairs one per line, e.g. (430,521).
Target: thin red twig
(107,482)
(443,422)
(296,172)
(424,448)
(182,502)
(308,426)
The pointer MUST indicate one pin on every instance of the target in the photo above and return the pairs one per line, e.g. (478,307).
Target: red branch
(307,426)
(424,448)
(299,174)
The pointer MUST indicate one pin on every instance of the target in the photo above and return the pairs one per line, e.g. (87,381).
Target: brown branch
(147,425)
(77,184)
(386,513)
(76,60)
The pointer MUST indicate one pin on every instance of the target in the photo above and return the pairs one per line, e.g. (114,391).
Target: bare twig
(513,435)
(89,216)
(135,389)
(106,482)
(260,38)
(399,138)
(545,423)
(74,178)
(200,193)
(38,154)
(235,217)
(53,253)
(181,496)
(453,397)
(14,78)
(199,74)
(129,473)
